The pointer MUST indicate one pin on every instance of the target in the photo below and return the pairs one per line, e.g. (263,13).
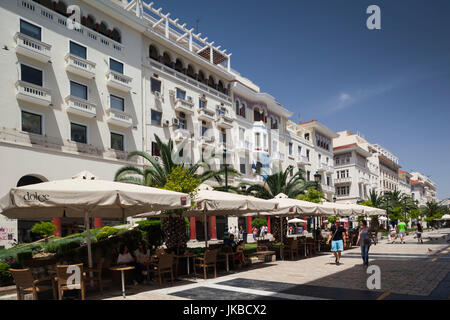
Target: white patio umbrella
(209,202)
(296,220)
(85,196)
(444,217)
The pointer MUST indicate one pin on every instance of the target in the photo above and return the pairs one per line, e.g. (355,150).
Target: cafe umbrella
(85,196)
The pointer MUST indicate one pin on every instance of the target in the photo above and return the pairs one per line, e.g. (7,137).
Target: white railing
(55,17)
(188,80)
(118,78)
(302,159)
(80,63)
(13,136)
(81,105)
(29,90)
(206,112)
(120,116)
(184,104)
(343,180)
(247,145)
(33,45)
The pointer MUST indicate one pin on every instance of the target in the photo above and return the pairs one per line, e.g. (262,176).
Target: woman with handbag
(364,241)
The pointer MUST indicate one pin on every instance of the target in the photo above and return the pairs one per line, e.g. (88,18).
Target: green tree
(259,222)
(431,211)
(281,182)
(367,203)
(44,228)
(375,198)
(312,195)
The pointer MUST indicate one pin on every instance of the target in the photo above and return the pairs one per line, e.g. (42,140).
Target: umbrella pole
(206,231)
(88,241)
(281,237)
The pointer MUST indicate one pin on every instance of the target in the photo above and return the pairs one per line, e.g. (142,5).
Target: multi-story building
(423,189)
(388,169)
(71,93)
(355,175)
(404,182)
(320,156)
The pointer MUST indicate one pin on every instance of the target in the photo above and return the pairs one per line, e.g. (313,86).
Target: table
(263,253)
(122,270)
(186,255)
(148,262)
(227,256)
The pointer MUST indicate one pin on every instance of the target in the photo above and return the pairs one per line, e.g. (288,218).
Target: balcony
(364,180)
(119,118)
(118,81)
(80,66)
(32,93)
(81,107)
(302,160)
(343,180)
(185,106)
(207,140)
(245,145)
(278,156)
(224,121)
(322,167)
(260,149)
(181,134)
(32,48)
(205,114)
(327,188)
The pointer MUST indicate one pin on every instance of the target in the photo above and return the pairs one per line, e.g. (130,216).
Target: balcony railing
(225,121)
(119,118)
(183,105)
(205,114)
(33,93)
(32,48)
(80,66)
(327,188)
(302,160)
(181,134)
(81,107)
(343,180)
(13,136)
(118,81)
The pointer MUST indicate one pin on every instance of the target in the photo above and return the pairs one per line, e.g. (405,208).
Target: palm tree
(375,198)
(432,211)
(281,182)
(156,174)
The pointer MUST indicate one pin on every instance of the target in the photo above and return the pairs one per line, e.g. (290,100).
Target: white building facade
(423,189)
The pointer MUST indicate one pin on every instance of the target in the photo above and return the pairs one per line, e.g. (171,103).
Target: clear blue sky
(318,59)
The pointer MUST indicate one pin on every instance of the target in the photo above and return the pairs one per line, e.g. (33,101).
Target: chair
(62,276)
(292,248)
(160,252)
(310,246)
(25,283)
(96,274)
(208,261)
(164,266)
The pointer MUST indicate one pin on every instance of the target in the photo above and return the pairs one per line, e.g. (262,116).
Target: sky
(319,60)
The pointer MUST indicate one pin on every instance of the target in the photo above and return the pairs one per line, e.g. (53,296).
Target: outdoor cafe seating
(62,278)
(209,260)
(26,284)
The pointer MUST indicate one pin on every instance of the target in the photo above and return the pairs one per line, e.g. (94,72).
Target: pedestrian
(402,230)
(419,231)
(230,231)
(241,233)
(392,233)
(364,241)
(337,236)
(255,233)
(236,233)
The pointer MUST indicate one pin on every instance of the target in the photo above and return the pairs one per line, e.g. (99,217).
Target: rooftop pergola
(174,31)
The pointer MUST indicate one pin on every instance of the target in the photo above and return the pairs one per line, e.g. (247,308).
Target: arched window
(115,35)
(153,52)
(61,8)
(201,77)
(167,60)
(211,82)
(190,72)
(103,28)
(90,21)
(179,65)
(257,114)
(220,87)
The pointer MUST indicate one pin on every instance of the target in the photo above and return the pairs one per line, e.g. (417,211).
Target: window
(308,175)
(328,181)
(306,136)
(203,130)
(155,150)
(155,85)
(307,154)
(242,167)
(78,90)
(290,148)
(78,50)
(202,103)
(30,30)
(117,141)
(31,75)
(299,150)
(117,103)
(116,66)
(31,122)
(181,94)
(182,124)
(156,117)
(238,108)
(78,133)
(343,191)
(258,140)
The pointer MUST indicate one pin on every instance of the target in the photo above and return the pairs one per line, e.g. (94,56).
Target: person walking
(255,233)
(419,231)
(337,236)
(364,241)
(392,233)
(402,230)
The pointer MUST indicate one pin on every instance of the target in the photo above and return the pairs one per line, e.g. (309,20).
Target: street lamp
(334,199)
